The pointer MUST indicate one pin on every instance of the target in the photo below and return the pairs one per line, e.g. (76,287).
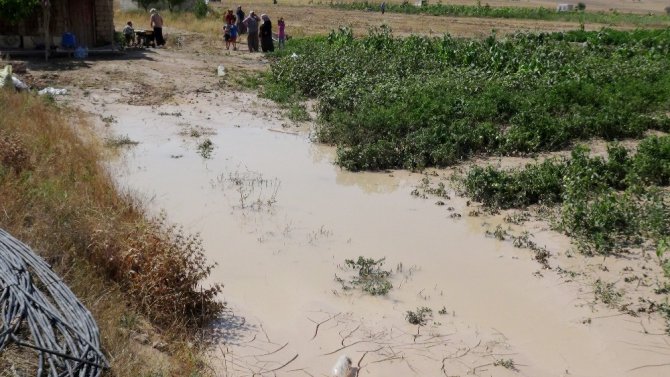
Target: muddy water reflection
(279,219)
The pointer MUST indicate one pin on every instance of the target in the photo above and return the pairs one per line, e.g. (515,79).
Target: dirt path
(280,219)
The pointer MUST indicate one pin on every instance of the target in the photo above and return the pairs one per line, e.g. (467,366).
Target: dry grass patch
(56,196)
(307,20)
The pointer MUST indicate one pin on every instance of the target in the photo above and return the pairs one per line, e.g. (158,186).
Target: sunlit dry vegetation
(56,196)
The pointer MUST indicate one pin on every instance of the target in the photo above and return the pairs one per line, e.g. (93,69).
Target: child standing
(129,33)
(233,33)
(282,33)
(226,35)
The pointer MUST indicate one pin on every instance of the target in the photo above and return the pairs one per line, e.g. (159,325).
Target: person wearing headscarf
(157,23)
(251,22)
(281,35)
(230,17)
(267,45)
(241,28)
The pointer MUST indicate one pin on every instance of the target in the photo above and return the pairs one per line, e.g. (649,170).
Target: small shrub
(420,316)
(505,363)
(370,277)
(205,149)
(200,9)
(581,6)
(607,293)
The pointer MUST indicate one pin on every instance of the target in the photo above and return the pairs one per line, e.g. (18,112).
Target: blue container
(69,40)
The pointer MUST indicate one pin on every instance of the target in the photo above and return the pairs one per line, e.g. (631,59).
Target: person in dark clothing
(241,27)
(267,45)
(251,22)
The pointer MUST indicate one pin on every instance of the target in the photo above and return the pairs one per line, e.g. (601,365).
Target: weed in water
(420,316)
(174,113)
(370,277)
(517,218)
(498,233)
(254,191)
(607,293)
(205,149)
(506,363)
(120,141)
(108,119)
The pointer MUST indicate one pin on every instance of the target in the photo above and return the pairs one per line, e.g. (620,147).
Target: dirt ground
(633,6)
(316,19)
(287,315)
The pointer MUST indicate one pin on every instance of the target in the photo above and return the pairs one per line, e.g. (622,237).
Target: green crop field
(415,102)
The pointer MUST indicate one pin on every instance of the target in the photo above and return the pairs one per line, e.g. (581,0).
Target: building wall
(104,21)
(66,18)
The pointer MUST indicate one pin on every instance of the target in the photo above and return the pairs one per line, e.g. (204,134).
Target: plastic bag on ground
(52,91)
(6,76)
(18,84)
(81,53)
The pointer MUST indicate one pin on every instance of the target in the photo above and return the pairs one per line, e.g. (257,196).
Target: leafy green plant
(419,316)
(607,293)
(16,10)
(606,204)
(517,218)
(200,9)
(370,277)
(505,363)
(498,233)
(205,149)
(414,102)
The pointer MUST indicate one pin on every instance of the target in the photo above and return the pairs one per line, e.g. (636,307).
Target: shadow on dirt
(230,329)
(68,63)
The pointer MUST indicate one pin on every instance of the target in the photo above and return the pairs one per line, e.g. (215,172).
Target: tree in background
(200,9)
(142,3)
(174,3)
(14,11)
(581,6)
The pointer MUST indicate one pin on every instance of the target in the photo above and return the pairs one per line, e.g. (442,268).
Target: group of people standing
(256,28)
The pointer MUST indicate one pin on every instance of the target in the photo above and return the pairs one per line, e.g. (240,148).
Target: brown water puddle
(280,219)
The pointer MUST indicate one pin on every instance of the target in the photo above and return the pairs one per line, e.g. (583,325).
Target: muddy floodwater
(279,219)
